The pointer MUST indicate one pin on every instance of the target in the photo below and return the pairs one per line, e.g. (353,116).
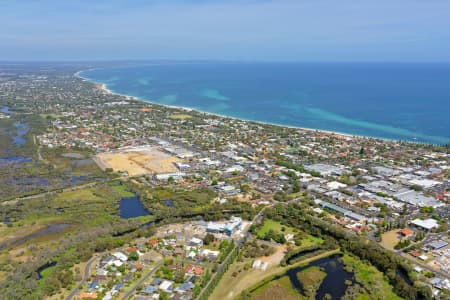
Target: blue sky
(281,30)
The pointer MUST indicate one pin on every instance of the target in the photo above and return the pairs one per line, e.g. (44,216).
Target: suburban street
(86,275)
(143,279)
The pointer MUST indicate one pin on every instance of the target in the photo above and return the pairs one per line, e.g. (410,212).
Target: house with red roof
(405,232)
(194,270)
(153,242)
(132,249)
(415,253)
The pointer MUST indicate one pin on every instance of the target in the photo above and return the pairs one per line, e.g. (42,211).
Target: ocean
(392,101)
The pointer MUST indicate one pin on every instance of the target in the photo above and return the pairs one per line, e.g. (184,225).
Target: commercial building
(436,245)
(428,224)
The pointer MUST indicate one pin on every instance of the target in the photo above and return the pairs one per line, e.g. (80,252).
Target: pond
(30,182)
(334,282)
(74,180)
(22,130)
(169,203)
(131,207)
(10,160)
(5,110)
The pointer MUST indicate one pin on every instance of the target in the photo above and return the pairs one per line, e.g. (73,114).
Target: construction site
(137,161)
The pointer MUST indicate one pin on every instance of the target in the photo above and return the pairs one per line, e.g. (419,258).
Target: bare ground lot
(137,161)
(275,258)
(389,239)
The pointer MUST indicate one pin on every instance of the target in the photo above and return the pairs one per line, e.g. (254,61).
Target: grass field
(275,226)
(309,241)
(45,273)
(373,280)
(195,199)
(91,206)
(277,289)
(123,191)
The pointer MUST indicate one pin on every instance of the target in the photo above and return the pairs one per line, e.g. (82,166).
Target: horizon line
(222,61)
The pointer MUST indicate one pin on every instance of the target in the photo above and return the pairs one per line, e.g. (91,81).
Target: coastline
(104,88)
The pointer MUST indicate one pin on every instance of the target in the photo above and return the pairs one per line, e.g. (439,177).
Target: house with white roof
(428,224)
(120,256)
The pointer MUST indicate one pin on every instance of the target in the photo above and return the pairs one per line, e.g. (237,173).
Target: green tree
(134,256)
(208,239)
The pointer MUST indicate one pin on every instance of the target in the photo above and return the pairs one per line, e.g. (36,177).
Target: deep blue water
(131,207)
(394,101)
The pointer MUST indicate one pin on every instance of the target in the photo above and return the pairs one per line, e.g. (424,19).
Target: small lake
(334,282)
(33,182)
(5,161)
(22,130)
(169,203)
(132,207)
(74,180)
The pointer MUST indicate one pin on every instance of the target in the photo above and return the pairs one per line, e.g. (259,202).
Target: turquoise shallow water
(394,101)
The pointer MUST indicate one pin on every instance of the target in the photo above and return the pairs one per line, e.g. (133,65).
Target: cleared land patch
(137,161)
(389,239)
(275,258)
(180,117)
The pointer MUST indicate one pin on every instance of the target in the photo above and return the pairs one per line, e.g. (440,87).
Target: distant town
(105,196)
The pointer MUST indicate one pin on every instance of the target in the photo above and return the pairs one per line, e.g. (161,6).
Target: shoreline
(104,88)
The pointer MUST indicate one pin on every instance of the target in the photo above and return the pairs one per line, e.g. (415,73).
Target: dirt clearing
(138,161)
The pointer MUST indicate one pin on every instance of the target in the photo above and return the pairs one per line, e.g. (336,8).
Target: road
(39,151)
(239,244)
(86,275)
(423,265)
(144,278)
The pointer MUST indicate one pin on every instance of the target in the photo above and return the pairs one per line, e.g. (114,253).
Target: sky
(247,30)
